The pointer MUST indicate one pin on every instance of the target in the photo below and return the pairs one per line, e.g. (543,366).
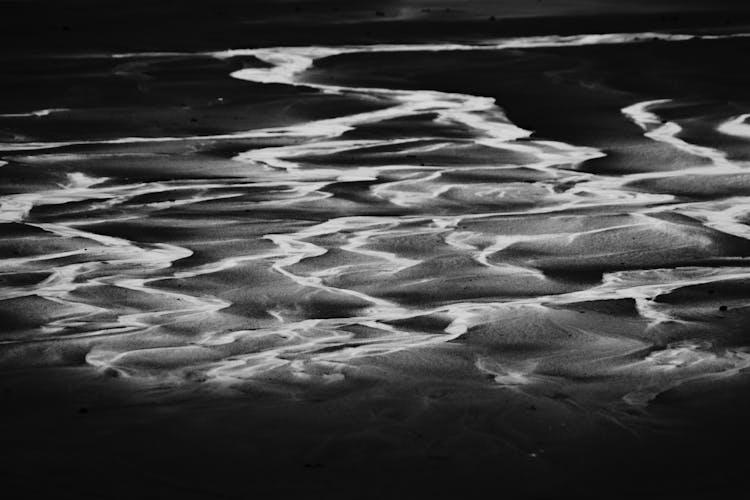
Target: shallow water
(411,234)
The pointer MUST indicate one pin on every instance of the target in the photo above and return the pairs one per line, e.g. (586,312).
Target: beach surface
(414,250)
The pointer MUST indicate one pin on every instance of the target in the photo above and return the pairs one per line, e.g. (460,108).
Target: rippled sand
(350,225)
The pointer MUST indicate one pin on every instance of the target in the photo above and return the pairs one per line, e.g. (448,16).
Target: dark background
(79,25)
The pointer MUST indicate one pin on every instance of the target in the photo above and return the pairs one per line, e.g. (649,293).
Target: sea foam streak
(737,126)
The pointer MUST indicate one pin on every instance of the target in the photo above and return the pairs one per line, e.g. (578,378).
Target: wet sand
(336,264)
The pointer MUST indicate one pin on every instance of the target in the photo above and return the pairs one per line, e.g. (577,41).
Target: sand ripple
(423,223)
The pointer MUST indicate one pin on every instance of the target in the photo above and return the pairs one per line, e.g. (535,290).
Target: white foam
(667,132)
(38,113)
(737,126)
